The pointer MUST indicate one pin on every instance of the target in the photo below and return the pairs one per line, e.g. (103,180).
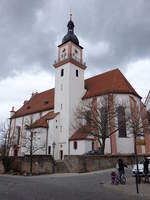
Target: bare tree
(4,131)
(138,124)
(98,118)
(31,143)
(30,139)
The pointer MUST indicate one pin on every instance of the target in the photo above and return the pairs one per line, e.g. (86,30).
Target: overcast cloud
(113,34)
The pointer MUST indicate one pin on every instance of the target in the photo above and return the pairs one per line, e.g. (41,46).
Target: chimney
(34,93)
(12,112)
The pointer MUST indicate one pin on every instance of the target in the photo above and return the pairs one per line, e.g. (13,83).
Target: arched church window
(77,73)
(121,122)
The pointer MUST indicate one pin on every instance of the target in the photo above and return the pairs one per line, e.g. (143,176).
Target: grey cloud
(25,41)
(125,25)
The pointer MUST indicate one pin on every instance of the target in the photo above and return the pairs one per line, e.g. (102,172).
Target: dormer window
(28,107)
(62,72)
(45,102)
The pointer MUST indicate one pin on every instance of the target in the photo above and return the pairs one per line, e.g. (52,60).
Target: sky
(114,34)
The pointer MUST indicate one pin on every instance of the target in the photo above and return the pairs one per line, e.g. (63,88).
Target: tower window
(61,106)
(77,73)
(75,145)
(62,72)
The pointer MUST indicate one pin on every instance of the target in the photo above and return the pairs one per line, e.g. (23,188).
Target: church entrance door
(61,154)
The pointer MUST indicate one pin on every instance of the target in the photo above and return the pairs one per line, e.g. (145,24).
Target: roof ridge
(44,91)
(126,80)
(116,69)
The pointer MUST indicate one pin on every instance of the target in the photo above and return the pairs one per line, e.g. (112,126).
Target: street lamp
(53,145)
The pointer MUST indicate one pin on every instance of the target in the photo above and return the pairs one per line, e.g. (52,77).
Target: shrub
(7,163)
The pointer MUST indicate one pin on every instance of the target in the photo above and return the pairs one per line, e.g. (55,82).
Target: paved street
(92,186)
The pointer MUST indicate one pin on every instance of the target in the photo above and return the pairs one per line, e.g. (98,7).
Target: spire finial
(70,14)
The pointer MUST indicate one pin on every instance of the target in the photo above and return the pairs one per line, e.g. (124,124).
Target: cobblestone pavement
(130,187)
(89,186)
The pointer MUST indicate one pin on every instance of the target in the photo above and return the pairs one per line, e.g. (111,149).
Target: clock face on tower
(70,50)
(76,53)
(63,53)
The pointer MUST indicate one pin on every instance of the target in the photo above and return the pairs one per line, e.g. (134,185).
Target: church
(50,114)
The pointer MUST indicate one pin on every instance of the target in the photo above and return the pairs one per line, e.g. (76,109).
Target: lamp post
(53,145)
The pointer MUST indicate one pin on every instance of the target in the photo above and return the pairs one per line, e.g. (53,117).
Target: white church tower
(69,85)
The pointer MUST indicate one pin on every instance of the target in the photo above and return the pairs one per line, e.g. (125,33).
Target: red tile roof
(80,134)
(39,102)
(42,122)
(109,82)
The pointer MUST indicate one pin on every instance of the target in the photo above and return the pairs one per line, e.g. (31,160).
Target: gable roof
(109,82)
(42,122)
(80,134)
(38,102)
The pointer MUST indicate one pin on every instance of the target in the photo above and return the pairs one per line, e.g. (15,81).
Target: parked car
(141,167)
(94,152)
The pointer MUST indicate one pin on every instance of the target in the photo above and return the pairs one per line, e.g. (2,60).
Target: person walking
(146,170)
(120,166)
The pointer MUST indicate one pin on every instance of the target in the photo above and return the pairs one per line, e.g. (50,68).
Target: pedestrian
(120,166)
(146,170)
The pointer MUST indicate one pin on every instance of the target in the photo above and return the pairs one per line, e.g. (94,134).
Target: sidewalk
(130,187)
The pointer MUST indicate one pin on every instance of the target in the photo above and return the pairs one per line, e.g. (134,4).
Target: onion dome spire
(70,36)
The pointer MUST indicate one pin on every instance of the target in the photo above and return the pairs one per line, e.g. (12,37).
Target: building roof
(80,134)
(42,122)
(109,82)
(38,102)
(147,98)
(70,36)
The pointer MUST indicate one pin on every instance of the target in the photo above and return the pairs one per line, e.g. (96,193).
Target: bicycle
(123,179)
(116,179)
(146,178)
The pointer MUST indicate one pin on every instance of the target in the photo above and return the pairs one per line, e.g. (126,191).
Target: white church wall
(125,144)
(39,142)
(21,122)
(107,146)
(83,146)
(77,91)
(68,92)
(53,135)
(122,143)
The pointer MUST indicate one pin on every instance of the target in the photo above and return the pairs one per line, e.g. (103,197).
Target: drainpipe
(46,140)
(68,147)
